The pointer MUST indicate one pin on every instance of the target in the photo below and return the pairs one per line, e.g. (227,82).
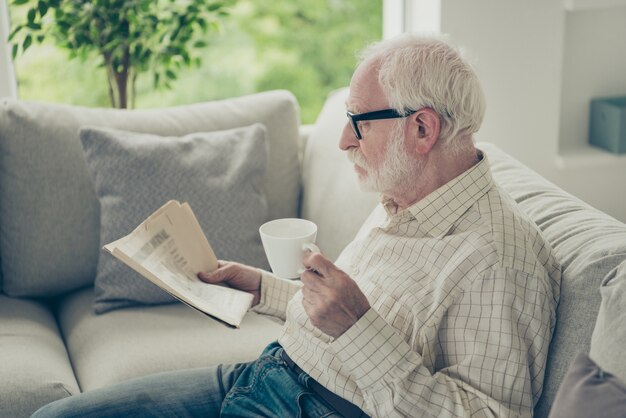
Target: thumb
(216,276)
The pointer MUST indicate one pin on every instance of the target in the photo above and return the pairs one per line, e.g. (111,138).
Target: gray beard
(396,174)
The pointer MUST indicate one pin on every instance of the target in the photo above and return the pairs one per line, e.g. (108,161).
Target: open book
(169,249)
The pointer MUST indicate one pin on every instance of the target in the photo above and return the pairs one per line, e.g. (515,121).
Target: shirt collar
(441,209)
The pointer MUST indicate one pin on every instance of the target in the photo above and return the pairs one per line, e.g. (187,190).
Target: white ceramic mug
(284,240)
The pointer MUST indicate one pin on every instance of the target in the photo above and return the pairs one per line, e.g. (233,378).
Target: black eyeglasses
(378,114)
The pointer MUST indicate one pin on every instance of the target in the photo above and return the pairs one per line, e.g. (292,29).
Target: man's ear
(424,127)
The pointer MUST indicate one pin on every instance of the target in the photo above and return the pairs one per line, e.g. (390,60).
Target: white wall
(532,58)
(595,58)
(7,75)
(401,16)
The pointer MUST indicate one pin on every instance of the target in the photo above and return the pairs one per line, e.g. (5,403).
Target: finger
(207,277)
(307,251)
(311,281)
(216,276)
(317,262)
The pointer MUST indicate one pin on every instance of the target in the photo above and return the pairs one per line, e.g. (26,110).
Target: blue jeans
(263,388)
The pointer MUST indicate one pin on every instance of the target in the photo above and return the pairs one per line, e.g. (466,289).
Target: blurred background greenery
(306,46)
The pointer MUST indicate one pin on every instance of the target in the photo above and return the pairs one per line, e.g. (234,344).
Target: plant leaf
(32,14)
(28,40)
(43,8)
(15,31)
(15,48)
(215,6)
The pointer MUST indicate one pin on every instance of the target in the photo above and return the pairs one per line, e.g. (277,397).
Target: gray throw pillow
(49,213)
(219,173)
(588,391)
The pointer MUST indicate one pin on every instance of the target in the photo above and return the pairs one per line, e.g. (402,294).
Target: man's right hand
(235,275)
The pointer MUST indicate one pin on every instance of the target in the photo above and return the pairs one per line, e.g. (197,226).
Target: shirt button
(355,270)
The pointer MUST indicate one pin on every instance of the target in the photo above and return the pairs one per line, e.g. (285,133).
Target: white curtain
(8,85)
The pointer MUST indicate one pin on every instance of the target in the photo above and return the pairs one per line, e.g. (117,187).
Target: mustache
(356,157)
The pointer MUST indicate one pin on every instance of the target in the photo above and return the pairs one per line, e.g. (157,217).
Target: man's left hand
(331,299)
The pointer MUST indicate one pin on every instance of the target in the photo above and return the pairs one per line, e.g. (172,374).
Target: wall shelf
(576,5)
(588,157)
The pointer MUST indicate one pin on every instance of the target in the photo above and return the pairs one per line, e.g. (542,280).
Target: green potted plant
(130,37)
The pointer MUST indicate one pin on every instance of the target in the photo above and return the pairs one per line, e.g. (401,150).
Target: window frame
(401,16)
(8,83)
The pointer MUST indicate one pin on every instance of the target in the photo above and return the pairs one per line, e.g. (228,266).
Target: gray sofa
(52,345)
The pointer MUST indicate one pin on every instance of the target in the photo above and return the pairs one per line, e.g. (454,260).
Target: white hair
(418,71)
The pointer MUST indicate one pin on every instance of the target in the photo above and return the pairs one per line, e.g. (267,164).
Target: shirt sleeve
(275,294)
(484,358)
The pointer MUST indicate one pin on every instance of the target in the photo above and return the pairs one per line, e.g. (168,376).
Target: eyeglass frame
(354,118)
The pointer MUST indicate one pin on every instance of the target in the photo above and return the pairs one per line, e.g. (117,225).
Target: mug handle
(311,247)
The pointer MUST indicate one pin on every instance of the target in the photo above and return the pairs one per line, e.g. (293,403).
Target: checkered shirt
(463,292)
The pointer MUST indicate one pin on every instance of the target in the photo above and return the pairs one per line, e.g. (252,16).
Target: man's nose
(348,138)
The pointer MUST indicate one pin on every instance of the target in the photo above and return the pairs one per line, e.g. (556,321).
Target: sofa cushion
(332,197)
(131,342)
(589,245)
(49,213)
(220,174)
(608,341)
(34,365)
(588,391)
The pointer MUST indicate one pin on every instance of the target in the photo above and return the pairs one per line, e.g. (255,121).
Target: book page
(169,249)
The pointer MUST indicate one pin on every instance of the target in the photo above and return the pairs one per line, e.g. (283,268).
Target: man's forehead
(355,105)
(351,106)
(366,93)
(353,100)
(366,98)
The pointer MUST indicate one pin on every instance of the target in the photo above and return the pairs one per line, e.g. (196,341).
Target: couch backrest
(331,195)
(589,245)
(49,213)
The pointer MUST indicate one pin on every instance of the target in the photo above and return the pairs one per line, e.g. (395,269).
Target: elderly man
(444,303)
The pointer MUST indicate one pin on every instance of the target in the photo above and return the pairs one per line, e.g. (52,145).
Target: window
(7,76)
(307,47)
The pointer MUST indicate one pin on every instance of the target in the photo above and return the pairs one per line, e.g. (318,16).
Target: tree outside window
(307,47)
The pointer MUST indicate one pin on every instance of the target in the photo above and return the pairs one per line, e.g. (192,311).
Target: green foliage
(129,37)
(311,43)
(306,46)
(45,74)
